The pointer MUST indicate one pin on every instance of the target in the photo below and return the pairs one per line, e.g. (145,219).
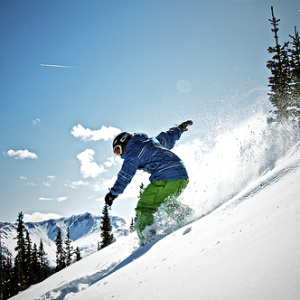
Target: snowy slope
(247,248)
(84,232)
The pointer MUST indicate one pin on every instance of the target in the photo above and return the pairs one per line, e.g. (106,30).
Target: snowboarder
(168,173)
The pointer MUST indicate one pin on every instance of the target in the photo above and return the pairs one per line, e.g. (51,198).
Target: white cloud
(50,180)
(45,199)
(21,154)
(86,134)
(60,199)
(37,120)
(29,183)
(111,161)
(104,184)
(75,184)
(39,217)
(88,166)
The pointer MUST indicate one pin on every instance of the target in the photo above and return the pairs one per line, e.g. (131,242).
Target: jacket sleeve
(125,175)
(168,138)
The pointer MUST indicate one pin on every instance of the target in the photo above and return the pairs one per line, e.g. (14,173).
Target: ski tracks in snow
(76,285)
(65,290)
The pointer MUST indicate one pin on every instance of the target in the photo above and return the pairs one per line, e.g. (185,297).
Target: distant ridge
(84,232)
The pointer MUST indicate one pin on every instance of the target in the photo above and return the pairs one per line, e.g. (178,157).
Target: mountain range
(84,233)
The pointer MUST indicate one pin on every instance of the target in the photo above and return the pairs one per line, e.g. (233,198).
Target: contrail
(56,66)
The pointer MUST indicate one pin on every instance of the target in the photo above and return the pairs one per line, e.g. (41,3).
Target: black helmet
(120,142)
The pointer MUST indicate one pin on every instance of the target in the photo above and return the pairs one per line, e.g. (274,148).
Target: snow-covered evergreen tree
(106,229)
(42,261)
(68,249)
(20,259)
(28,259)
(60,252)
(77,254)
(294,53)
(280,81)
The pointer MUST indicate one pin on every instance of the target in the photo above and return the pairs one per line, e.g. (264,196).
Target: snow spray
(222,167)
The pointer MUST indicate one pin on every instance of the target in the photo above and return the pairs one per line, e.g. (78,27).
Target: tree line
(30,265)
(65,253)
(284,81)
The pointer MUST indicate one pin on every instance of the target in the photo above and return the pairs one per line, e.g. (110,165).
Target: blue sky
(75,73)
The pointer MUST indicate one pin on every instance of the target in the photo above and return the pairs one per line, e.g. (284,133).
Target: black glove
(183,126)
(109,198)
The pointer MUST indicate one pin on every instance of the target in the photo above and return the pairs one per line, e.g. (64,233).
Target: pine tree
(106,229)
(28,259)
(42,262)
(20,259)
(295,71)
(35,267)
(27,267)
(77,254)
(132,225)
(69,249)
(2,285)
(60,253)
(7,289)
(280,81)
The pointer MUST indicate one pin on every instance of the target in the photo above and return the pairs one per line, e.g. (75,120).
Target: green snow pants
(156,193)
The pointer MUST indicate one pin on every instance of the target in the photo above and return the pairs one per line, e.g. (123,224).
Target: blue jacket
(152,155)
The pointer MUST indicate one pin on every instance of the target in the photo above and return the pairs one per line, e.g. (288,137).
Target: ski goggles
(118,150)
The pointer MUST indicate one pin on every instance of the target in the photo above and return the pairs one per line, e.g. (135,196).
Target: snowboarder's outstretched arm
(125,175)
(168,138)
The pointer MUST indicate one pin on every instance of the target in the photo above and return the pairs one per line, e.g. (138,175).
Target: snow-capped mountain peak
(84,232)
